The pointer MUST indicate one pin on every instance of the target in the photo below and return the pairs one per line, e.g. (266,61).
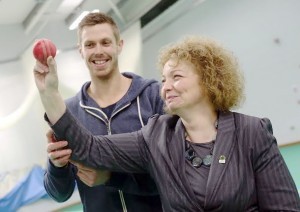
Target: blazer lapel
(177,150)
(223,148)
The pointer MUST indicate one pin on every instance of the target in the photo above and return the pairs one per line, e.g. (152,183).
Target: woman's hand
(46,78)
(46,81)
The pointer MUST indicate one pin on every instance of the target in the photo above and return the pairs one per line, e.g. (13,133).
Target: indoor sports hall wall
(263,34)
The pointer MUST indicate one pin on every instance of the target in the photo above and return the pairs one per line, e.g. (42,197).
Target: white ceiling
(12,14)
(23,21)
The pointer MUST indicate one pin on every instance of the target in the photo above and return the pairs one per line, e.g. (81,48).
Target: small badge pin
(222,159)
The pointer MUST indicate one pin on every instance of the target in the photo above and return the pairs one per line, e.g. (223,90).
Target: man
(110,103)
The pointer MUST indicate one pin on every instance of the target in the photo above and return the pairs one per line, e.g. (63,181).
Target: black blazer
(248,172)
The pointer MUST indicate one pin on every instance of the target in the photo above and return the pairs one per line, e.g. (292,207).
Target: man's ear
(79,49)
(120,46)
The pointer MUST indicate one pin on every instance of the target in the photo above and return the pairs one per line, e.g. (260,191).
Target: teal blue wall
(291,155)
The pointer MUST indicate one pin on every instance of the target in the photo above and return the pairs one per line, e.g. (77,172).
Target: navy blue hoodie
(123,192)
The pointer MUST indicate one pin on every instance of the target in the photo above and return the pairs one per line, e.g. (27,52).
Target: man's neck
(110,90)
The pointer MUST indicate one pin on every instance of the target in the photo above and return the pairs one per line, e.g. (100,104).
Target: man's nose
(99,48)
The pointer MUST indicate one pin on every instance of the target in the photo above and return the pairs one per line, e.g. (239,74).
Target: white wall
(21,124)
(249,28)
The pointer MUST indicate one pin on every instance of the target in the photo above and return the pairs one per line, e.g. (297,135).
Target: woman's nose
(167,85)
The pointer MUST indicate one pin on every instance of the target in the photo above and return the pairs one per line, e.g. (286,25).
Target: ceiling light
(68,5)
(77,20)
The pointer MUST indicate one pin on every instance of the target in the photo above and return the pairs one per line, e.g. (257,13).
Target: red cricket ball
(42,49)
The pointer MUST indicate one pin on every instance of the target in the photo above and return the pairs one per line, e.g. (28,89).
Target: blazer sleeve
(119,152)
(276,190)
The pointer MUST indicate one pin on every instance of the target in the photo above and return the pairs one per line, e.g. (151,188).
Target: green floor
(74,208)
(291,156)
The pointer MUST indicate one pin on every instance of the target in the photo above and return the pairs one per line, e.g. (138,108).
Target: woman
(202,156)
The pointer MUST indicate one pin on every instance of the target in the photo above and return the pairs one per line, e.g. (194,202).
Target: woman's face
(180,86)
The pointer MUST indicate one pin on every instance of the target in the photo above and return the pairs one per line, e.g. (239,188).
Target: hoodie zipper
(123,203)
(107,122)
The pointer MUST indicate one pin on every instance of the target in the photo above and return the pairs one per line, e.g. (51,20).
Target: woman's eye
(177,76)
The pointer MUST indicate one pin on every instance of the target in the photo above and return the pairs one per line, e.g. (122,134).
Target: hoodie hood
(138,85)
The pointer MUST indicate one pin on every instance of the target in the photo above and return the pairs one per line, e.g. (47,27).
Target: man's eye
(106,43)
(88,45)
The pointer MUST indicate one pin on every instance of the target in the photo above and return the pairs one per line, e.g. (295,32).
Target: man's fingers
(56,146)
(60,162)
(50,136)
(85,178)
(85,168)
(78,165)
(94,177)
(54,155)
